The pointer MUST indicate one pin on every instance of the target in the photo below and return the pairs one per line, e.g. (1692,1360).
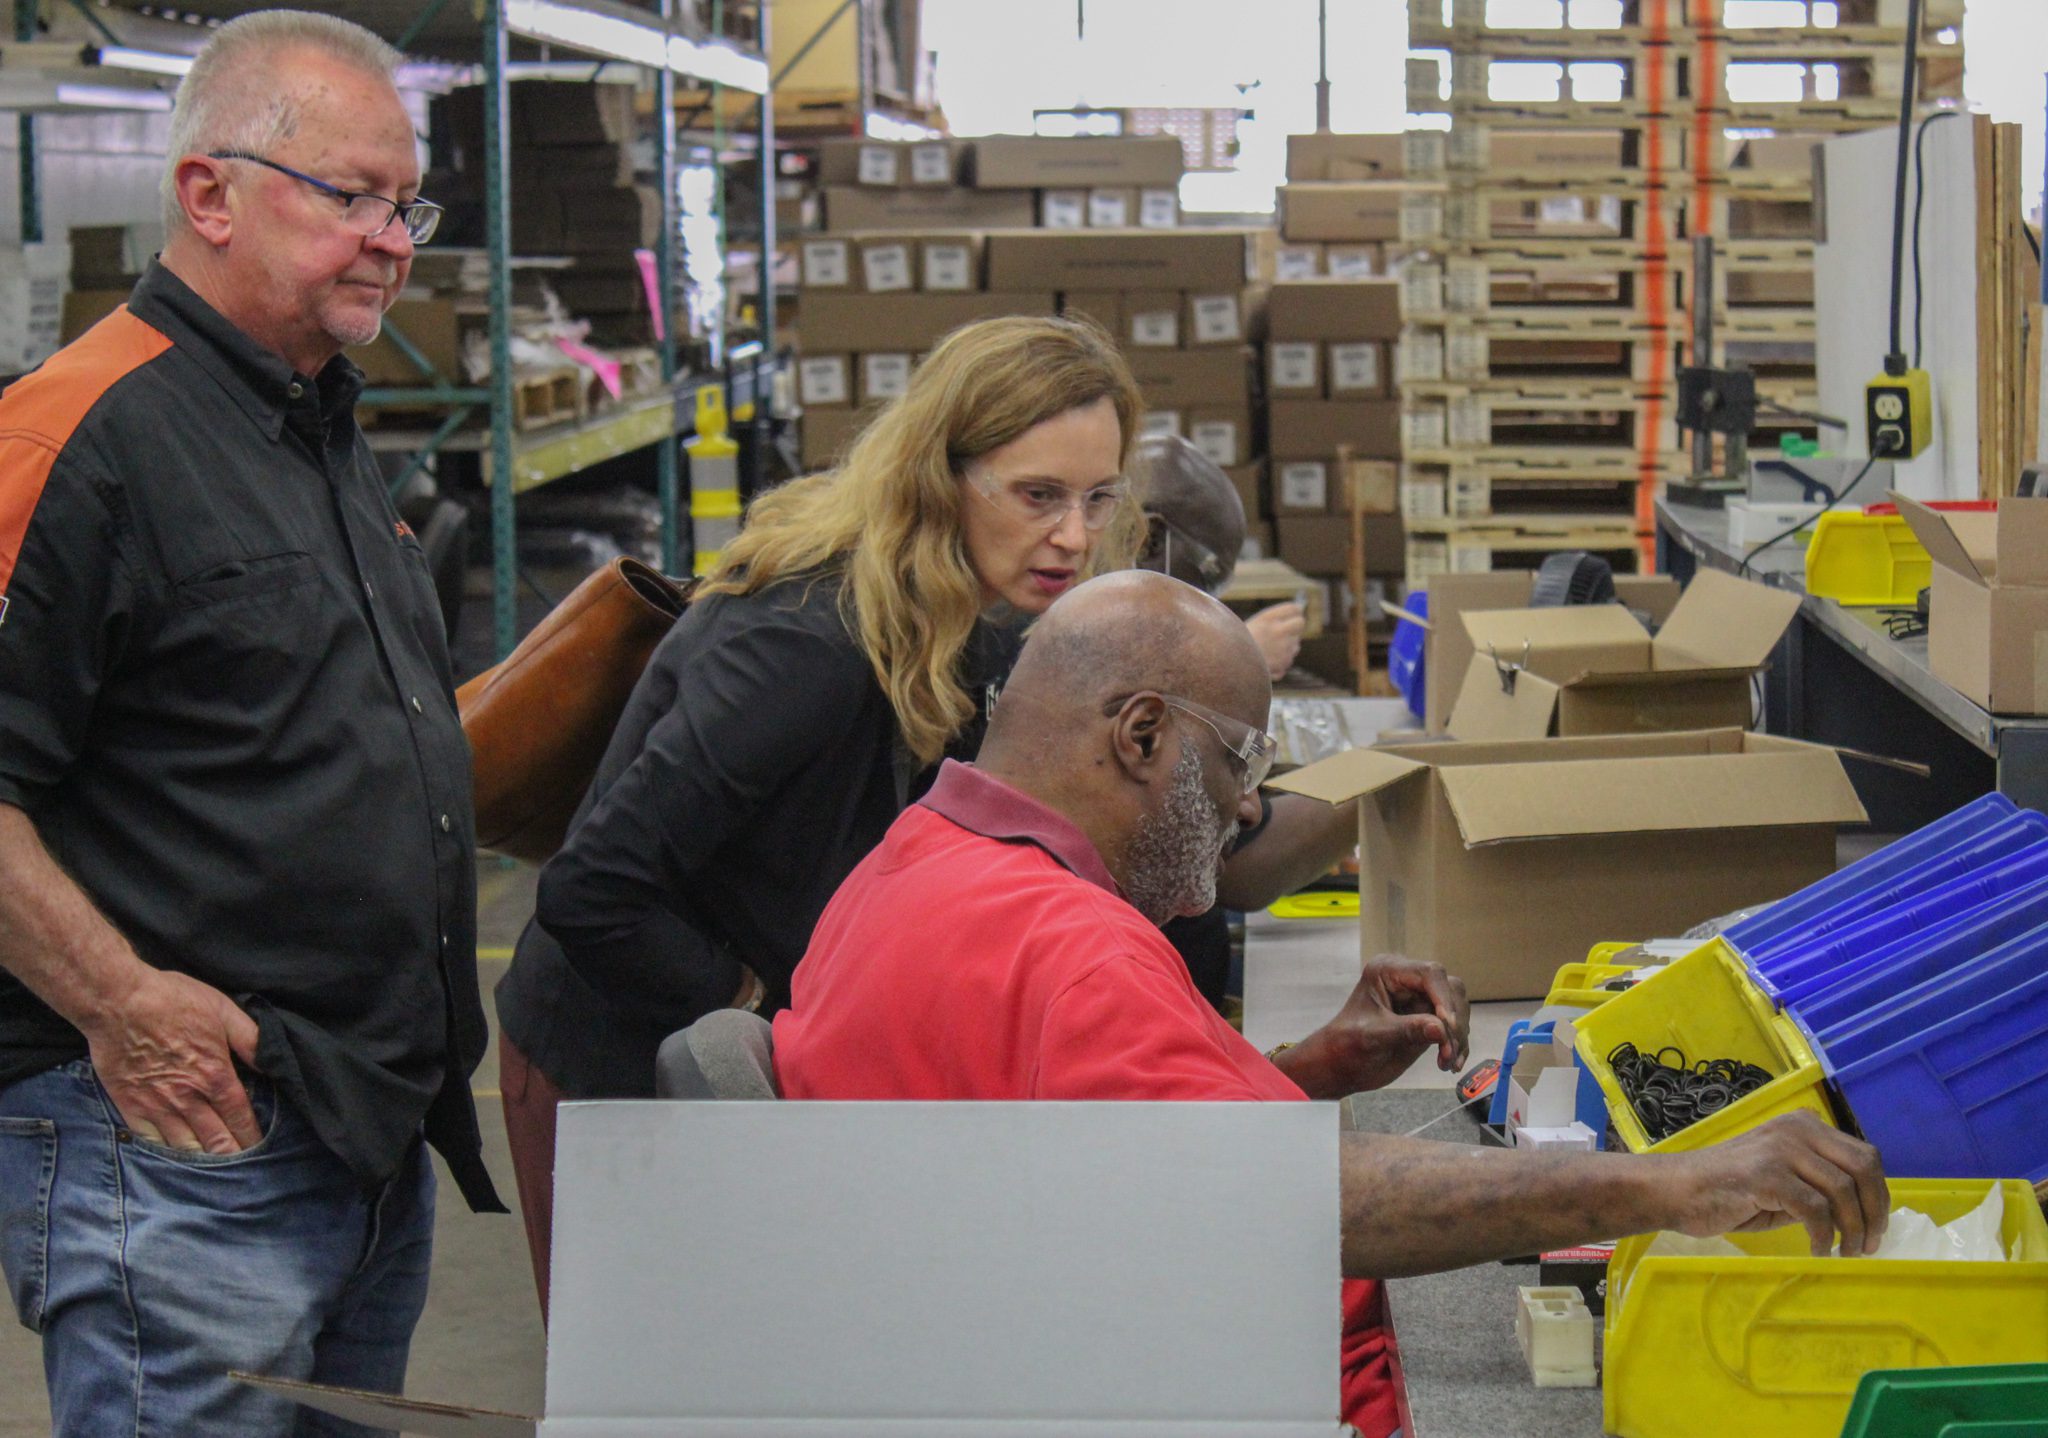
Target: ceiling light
(153,62)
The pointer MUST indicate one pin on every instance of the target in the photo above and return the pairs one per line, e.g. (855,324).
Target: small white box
(1109,209)
(1158,209)
(880,164)
(1159,424)
(826,265)
(823,379)
(1304,484)
(884,376)
(1352,262)
(1217,318)
(1156,329)
(1554,1329)
(931,164)
(1297,262)
(886,268)
(948,266)
(1216,439)
(1293,364)
(1354,367)
(1063,210)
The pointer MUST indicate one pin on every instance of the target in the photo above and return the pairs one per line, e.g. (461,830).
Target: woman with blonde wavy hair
(841,648)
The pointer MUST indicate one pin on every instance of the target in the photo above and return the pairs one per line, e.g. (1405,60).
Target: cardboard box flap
(389,1411)
(1722,622)
(1487,710)
(1757,789)
(1562,642)
(1343,777)
(1975,558)
(2023,541)
(1658,678)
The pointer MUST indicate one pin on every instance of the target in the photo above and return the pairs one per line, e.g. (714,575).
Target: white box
(1352,262)
(1159,424)
(1109,209)
(880,164)
(886,268)
(1063,210)
(1158,209)
(931,164)
(1156,329)
(883,376)
(1303,484)
(1217,440)
(1036,1270)
(1297,262)
(948,266)
(1293,365)
(824,379)
(826,266)
(1217,318)
(1354,367)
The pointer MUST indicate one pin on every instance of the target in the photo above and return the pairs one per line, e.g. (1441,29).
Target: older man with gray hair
(237,875)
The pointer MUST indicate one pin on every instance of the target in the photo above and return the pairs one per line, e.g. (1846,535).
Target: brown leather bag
(539,722)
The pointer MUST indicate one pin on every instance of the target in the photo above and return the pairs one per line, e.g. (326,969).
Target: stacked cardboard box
(1340,210)
(1000,182)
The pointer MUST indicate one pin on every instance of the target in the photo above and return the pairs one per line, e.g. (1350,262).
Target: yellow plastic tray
(1578,985)
(1317,904)
(1706,1005)
(1772,1344)
(1865,559)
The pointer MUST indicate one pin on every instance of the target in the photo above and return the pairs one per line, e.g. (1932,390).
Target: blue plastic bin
(1405,652)
(1929,1004)
(1872,871)
(1962,1099)
(1831,1000)
(1844,951)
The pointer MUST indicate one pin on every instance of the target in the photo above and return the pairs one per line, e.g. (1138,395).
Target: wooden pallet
(1487,545)
(1435,354)
(1498,213)
(1878,21)
(1467,493)
(1482,426)
(544,397)
(1458,287)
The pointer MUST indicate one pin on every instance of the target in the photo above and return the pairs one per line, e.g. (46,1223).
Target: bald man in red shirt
(1002,943)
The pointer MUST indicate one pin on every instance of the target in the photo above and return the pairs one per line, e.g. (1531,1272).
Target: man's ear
(1138,738)
(202,188)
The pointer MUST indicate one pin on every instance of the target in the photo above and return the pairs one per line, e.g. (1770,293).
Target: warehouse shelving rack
(483,36)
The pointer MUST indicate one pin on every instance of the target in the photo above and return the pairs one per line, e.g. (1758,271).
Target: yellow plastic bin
(1579,985)
(1772,1344)
(1706,1005)
(1866,559)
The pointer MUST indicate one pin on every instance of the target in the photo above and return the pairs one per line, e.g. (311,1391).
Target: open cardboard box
(1987,633)
(1594,669)
(1448,650)
(871,1270)
(1504,861)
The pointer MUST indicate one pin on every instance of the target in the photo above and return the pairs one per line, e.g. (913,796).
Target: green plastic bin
(2003,1400)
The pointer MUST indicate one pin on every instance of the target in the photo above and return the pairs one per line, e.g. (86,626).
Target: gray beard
(1170,861)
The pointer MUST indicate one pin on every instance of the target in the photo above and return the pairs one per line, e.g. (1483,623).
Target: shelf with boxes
(1450,23)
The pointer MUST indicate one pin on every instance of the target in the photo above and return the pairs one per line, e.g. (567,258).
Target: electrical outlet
(1899,414)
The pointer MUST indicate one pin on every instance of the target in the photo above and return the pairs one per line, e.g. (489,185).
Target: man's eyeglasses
(364,213)
(1044,503)
(1251,752)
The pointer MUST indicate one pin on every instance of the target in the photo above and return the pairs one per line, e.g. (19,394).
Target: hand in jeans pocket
(166,1058)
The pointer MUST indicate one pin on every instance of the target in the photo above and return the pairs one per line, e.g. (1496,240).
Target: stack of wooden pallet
(1545,320)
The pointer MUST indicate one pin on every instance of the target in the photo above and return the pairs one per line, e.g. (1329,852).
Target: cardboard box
(1988,633)
(832,323)
(884,377)
(1063,209)
(1368,211)
(433,326)
(823,381)
(1039,162)
(1112,209)
(1228,317)
(1448,649)
(1152,319)
(1316,428)
(83,309)
(1158,209)
(1357,369)
(1182,379)
(1504,861)
(1013,1267)
(890,164)
(850,209)
(1121,260)
(1511,150)
(1249,480)
(826,433)
(949,263)
(1328,156)
(1594,669)
(1334,310)
(1375,484)
(828,264)
(939,163)
(888,265)
(1314,544)
(1104,307)
(1301,488)
(1223,432)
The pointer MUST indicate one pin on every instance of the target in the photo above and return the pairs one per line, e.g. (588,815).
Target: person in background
(237,867)
(845,644)
(1002,944)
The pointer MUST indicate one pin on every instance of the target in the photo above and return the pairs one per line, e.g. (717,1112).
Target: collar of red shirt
(992,809)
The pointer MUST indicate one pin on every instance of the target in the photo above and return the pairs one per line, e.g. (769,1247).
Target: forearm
(1412,1206)
(1303,840)
(52,938)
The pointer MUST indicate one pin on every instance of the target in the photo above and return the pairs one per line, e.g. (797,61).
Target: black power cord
(1919,199)
(1895,359)
(1847,489)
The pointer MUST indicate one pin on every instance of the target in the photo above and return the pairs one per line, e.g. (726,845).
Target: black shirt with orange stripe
(227,706)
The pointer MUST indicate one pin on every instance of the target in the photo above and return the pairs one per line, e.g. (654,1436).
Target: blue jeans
(151,1272)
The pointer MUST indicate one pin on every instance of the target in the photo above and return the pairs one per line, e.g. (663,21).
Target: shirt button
(416,705)
(446,823)
(295,389)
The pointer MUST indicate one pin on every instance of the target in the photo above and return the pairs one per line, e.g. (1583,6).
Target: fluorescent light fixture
(153,62)
(111,97)
(619,36)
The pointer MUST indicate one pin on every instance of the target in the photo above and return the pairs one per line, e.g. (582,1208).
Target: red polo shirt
(982,951)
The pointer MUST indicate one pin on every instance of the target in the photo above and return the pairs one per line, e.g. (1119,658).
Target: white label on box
(1158,209)
(825,264)
(1294,364)
(1156,329)
(822,379)
(1216,439)
(1467,287)
(1296,262)
(884,376)
(1562,210)
(1305,484)
(1471,421)
(1422,429)
(931,164)
(1466,355)
(886,267)
(1422,289)
(1420,355)
(879,164)
(1422,152)
(1353,262)
(1355,366)
(1159,424)
(1216,319)
(1109,209)
(1422,217)
(1063,210)
(948,267)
